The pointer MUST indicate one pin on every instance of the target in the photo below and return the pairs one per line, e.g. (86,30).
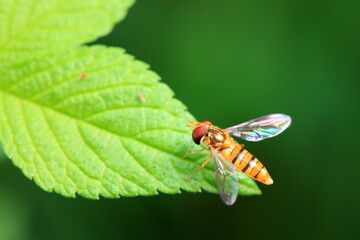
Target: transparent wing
(226,179)
(261,128)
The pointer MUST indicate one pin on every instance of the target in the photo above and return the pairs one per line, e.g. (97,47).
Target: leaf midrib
(104,129)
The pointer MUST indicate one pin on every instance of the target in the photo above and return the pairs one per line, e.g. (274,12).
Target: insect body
(229,155)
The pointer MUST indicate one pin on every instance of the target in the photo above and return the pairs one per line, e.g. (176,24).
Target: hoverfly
(229,155)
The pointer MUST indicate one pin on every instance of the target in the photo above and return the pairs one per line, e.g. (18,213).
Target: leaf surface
(74,122)
(42,25)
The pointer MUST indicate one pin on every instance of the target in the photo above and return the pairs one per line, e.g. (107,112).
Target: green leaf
(42,25)
(73,121)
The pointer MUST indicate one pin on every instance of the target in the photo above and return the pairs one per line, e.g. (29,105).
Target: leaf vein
(127,107)
(104,162)
(35,148)
(43,70)
(72,78)
(51,130)
(139,164)
(99,90)
(107,130)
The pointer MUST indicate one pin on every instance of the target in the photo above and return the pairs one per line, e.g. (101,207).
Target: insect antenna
(193,124)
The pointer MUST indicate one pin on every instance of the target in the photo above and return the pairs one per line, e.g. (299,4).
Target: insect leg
(193,153)
(203,165)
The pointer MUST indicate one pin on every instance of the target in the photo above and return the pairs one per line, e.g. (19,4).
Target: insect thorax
(214,137)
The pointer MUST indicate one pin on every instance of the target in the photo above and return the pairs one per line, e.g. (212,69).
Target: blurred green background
(230,61)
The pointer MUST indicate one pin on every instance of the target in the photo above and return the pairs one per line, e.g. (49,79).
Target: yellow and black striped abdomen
(247,163)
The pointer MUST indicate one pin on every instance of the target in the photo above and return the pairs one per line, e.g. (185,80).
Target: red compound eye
(206,122)
(198,133)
